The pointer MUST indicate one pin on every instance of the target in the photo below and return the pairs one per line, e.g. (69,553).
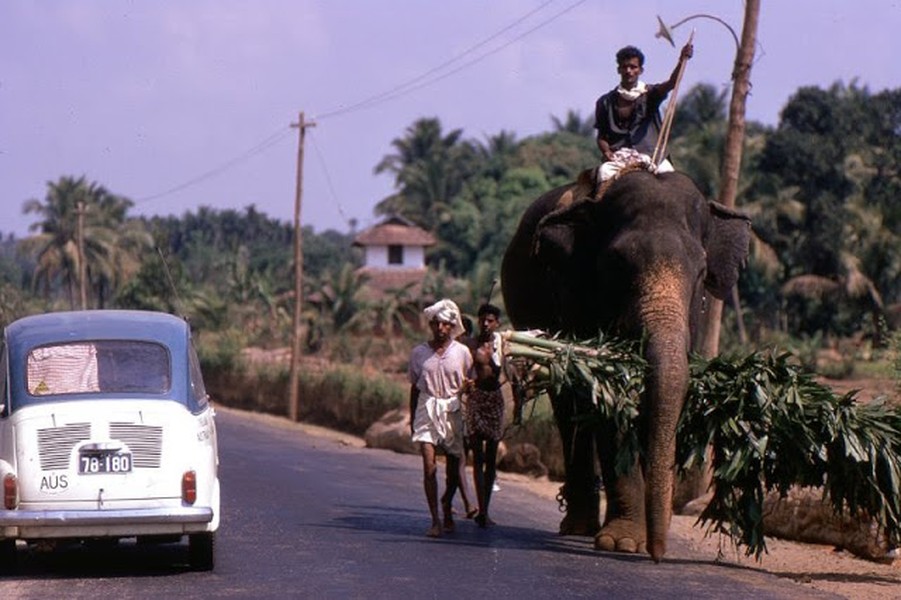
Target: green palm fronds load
(770,426)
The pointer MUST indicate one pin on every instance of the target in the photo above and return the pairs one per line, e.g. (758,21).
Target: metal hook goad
(665,32)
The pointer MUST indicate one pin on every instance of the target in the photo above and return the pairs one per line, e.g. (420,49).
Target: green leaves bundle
(769,424)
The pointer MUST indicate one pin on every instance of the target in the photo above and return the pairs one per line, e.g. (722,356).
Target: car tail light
(10,492)
(189,487)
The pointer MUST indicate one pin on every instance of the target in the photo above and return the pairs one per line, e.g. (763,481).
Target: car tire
(201,551)
(8,557)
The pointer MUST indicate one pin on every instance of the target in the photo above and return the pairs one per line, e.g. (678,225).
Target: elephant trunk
(663,312)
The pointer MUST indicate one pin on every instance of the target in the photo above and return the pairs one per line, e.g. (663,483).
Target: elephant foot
(582,504)
(586,526)
(621,536)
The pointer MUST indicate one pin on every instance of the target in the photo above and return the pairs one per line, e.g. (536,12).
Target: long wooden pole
(731,165)
(294,380)
(660,148)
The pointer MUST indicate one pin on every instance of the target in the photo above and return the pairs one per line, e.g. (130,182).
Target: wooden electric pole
(731,165)
(294,383)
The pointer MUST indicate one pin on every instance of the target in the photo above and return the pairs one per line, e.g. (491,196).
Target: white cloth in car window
(67,369)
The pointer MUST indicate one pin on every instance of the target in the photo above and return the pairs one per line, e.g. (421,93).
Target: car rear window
(102,366)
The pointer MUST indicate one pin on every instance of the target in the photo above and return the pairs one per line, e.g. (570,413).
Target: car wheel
(201,551)
(8,557)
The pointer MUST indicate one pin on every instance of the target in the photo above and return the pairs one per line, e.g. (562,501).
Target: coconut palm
(112,246)
(55,245)
(429,169)
(574,123)
(497,154)
(115,246)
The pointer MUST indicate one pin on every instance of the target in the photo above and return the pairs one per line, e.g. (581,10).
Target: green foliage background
(822,186)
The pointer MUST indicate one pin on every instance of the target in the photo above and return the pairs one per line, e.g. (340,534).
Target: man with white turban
(438,372)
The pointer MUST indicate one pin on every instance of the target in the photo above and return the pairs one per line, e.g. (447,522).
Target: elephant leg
(624,527)
(580,491)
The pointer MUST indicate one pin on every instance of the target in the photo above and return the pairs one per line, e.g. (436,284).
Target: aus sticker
(53,482)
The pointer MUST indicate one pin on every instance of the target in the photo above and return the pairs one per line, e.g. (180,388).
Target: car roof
(35,330)
(172,332)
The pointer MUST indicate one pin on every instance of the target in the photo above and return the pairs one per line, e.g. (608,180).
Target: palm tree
(702,105)
(699,135)
(574,123)
(55,247)
(112,246)
(115,246)
(497,154)
(429,169)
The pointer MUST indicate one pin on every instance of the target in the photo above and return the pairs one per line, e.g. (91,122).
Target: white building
(394,254)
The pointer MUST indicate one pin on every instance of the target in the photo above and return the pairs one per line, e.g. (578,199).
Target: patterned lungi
(485,414)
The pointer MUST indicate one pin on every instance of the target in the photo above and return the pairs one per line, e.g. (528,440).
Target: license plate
(104,462)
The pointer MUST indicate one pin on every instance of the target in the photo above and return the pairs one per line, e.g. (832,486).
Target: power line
(269,141)
(474,61)
(375,99)
(328,181)
(402,89)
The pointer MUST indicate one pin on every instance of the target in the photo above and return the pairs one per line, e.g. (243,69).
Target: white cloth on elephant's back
(446,311)
(629,157)
(439,421)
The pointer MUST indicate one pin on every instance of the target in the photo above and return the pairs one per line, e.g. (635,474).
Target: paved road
(307,517)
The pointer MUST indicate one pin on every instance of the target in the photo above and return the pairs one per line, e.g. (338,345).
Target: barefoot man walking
(438,374)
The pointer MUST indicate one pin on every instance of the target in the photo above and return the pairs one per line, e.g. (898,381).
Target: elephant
(636,261)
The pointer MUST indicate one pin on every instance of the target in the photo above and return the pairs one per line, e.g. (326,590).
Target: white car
(106,431)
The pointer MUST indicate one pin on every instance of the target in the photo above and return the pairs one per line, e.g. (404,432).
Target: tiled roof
(394,232)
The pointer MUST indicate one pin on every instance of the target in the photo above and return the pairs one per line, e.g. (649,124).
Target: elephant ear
(727,242)
(555,233)
(554,242)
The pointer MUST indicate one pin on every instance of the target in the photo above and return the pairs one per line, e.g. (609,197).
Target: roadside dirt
(814,566)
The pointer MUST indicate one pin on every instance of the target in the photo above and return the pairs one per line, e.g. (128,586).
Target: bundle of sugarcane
(770,426)
(606,374)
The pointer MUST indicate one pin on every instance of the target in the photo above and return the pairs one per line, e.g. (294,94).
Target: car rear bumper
(87,523)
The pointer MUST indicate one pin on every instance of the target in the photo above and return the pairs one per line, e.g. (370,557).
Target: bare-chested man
(485,409)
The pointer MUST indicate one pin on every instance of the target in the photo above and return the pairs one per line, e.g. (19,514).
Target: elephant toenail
(605,543)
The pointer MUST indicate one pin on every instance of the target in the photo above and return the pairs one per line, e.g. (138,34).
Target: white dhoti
(439,421)
(629,157)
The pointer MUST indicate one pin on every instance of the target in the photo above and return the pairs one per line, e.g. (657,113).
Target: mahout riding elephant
(636,263)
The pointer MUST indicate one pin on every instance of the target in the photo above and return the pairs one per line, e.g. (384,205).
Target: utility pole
(731,165)
(294,383)
(82,271)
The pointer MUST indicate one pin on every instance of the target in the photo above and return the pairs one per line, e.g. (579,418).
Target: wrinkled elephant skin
(636,263)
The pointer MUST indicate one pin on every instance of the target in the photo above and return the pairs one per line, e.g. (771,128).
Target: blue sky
(188,103)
